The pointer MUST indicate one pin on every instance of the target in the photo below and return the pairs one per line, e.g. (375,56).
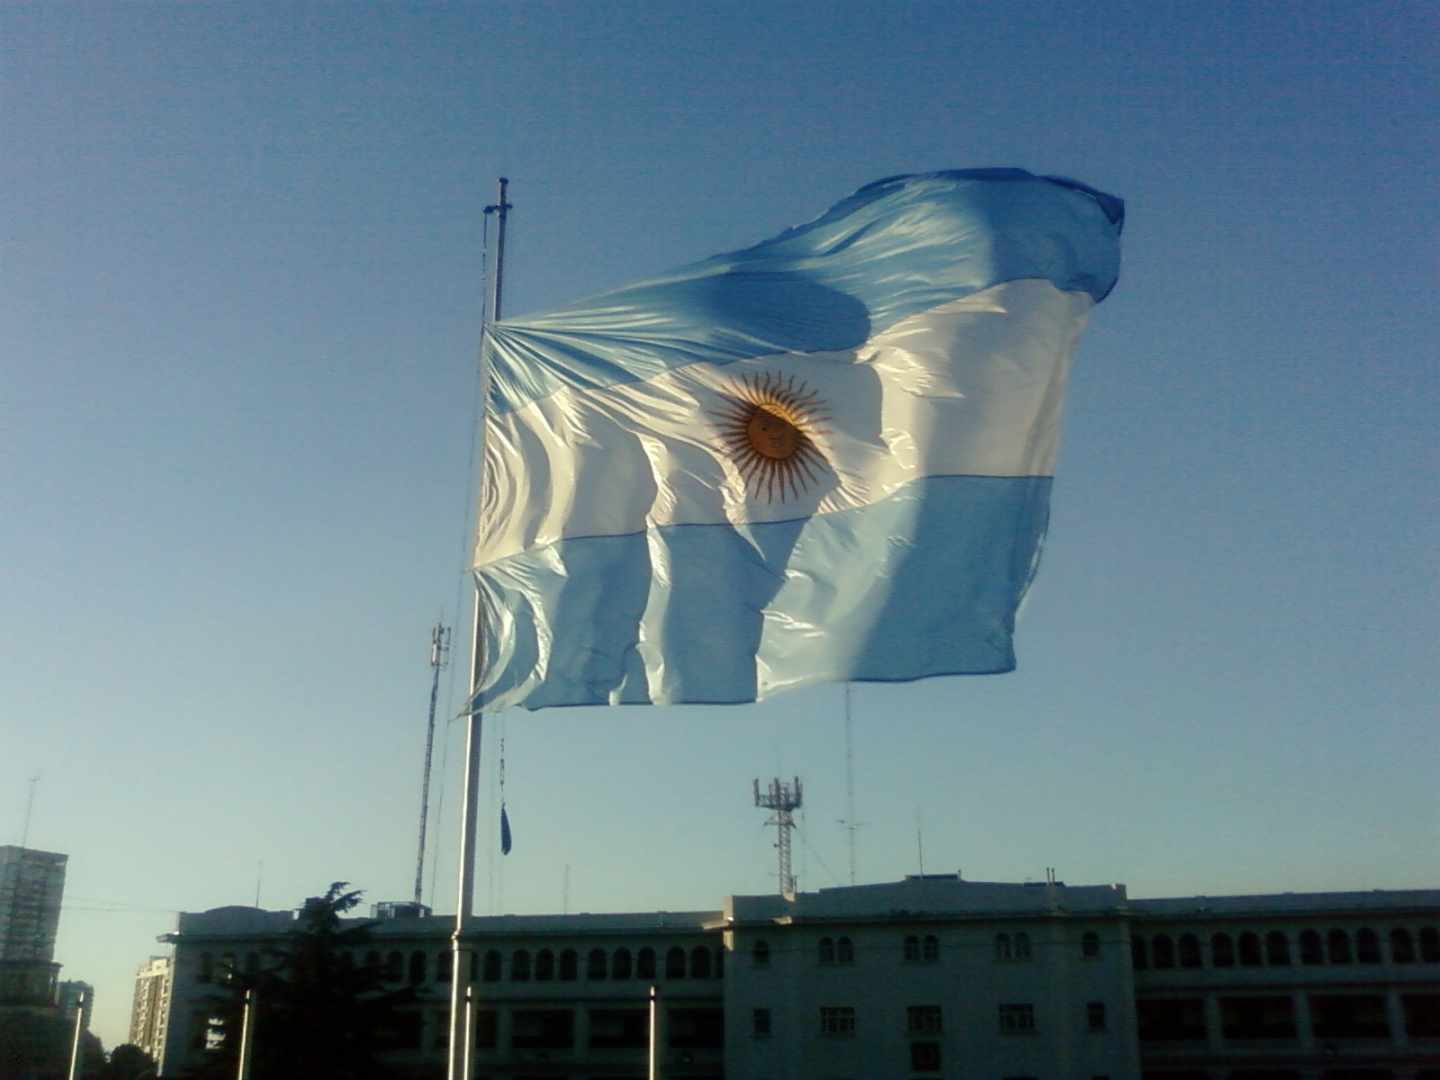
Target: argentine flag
(826,457)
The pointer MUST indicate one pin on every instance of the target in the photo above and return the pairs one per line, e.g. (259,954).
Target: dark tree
(129,1062)
(37,1043)
(318,1015)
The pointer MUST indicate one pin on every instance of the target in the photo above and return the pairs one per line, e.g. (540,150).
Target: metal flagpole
(247,1037)
(75,1043)
(462,1019)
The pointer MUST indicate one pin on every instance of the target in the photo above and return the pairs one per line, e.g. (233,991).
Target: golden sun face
(767,427)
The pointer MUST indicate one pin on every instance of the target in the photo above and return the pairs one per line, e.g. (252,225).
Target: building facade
(74,996)
(150,1007)
(931,977)
(31,885)
(1344,986)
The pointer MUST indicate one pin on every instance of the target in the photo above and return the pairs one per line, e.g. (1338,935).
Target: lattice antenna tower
(782,800)
(439,659)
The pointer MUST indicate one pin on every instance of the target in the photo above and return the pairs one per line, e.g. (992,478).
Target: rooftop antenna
(851,825)
(29,806)
(920,840)
(439,658)
(782,800)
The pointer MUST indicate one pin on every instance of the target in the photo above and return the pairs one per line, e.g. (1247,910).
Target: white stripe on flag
(971,388)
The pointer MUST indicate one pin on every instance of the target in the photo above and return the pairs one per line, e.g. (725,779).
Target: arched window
(569,965)
(1338,942)
(394,966)
(827,950)
(1250,949)
(544,965)
(492,965)
(1139,960)
(372,962)
(699,962)
(675,962)
(760,953)
(444,960)
(1311,948)
(912,949)
(1430,945)
(645,963)
(1090,945)
(1162,949)
(1367,946)
(844,951)
(1002,947)
(520,965)
(1189,951)
(931,948)
(1022,946)
(596,964)
(417,968)
(1277,949)
(1222,950)
(207,968)
(1402,947)
(229,966)
(620,965)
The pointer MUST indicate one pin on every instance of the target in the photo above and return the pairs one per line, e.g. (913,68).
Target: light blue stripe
(893,248)
(924,583)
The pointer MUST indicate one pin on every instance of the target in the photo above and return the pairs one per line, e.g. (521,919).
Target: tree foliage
(128,1062)
(318,1014)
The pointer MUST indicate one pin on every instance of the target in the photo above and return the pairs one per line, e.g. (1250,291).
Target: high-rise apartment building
(151,1006)
(31,885)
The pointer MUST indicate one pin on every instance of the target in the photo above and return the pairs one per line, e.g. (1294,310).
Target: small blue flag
(504,832)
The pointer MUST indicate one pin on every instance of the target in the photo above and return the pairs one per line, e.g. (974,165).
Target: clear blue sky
(238,323)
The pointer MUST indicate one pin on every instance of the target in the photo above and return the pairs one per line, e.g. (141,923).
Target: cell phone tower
(782,800)
(439,657)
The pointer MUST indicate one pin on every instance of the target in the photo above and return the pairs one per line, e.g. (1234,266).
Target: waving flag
(827,457)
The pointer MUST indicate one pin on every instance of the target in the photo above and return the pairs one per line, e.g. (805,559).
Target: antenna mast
(851,825)
(782,800)
(29,806)
(439,658)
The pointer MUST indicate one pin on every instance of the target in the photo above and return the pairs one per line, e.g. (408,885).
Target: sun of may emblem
(767,425)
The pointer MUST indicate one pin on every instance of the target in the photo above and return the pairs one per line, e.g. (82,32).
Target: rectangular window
(1257,1017)
(1349,1016)
(696,1029)
(932,949)
(1422,1015)
(619,1029)
(485,1029)
(1171,1020)
(925,1057)
(1095,1013)
(543,1029)
(760,1023)
(923,1019)
(1017,1019)
(837,1020)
